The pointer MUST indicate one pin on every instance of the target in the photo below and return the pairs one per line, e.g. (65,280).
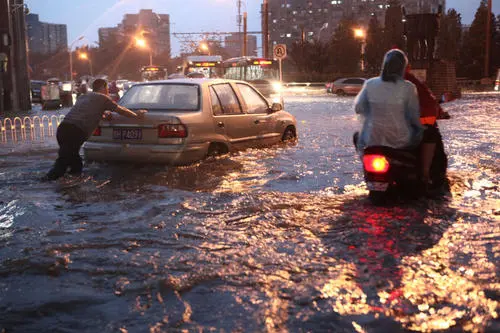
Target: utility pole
(5,69)
(488,42)
(265,28)
(12,55)
(238,20)
(23,77)
(245,36)
(17,87)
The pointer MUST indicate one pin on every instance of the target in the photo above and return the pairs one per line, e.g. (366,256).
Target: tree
(472,56)
(449,37)
(345,49)
(310,57)
(394,29)
(374,50)
(44,66)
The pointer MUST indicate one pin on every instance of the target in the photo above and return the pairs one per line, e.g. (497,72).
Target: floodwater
(281,239)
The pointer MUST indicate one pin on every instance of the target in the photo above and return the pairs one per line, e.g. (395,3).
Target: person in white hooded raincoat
(388,107)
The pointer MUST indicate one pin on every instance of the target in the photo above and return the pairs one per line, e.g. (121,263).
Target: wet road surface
(280,239)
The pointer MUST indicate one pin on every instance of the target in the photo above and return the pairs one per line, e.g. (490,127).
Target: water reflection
(280,239)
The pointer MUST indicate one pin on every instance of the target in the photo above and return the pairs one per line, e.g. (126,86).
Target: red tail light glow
(375,163)
(172,131)
(97,132)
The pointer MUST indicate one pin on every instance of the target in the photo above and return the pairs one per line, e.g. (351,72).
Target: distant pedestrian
(82,90)
(113,91)
(79,124)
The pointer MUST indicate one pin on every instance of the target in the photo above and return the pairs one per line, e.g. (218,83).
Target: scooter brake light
(375,163)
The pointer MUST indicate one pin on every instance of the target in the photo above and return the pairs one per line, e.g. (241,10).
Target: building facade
(45,38)
(154,27)
(423,6)
(107,34)
(292,20)
(233,45)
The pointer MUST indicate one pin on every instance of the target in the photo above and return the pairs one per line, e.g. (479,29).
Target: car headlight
(66,87)
(276,86)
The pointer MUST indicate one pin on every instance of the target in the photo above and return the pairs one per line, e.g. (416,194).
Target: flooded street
(281,239)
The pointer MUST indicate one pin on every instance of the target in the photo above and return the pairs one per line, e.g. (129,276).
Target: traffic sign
(279,51)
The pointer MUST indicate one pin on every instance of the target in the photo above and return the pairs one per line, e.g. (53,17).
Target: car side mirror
(276,107)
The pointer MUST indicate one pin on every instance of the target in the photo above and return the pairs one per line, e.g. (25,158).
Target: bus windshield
(153,73)
(251,69)
(262,73)
(203,66)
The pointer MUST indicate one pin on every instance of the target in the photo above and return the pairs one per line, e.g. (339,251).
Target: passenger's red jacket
(429,106)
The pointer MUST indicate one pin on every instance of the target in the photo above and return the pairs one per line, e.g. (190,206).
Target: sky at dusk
(85,17)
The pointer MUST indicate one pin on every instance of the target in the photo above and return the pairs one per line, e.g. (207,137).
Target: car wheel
(340,92)
(216,149)
(289,135)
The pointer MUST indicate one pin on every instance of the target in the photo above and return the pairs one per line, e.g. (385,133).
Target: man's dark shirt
(88,111)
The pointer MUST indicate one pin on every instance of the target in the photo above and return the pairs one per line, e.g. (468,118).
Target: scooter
(390,172)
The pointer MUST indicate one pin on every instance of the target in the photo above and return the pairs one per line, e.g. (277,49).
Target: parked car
(188,120)
(346,86)
(65,91)
(36,90)
(196,75)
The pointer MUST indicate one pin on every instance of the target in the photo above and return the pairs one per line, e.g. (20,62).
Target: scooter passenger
(430,112)
(389,108)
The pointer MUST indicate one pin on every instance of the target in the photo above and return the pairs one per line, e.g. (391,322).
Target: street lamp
(141,43)
(361,34)
(85,56)
(204,47)
(325,25)
(70,50)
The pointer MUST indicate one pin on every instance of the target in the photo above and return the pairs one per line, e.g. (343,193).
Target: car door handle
(220,124)
(259,121)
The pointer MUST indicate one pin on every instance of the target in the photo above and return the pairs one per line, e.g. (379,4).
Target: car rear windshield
(175,97)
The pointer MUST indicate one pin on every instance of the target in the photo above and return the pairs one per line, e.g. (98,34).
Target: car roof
(349,78)
(199,81)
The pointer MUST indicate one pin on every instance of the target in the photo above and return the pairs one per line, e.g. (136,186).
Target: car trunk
(123,129)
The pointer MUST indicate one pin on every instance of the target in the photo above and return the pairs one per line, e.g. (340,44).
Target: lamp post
(71,59)
(361,34)
(141,43)
(85,56)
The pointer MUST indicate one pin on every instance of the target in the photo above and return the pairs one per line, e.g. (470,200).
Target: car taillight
(172,131)
(375,163)
(97,132)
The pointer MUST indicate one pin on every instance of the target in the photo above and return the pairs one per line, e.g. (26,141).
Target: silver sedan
(188,120)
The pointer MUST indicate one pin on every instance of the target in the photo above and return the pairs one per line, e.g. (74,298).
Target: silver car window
(216,107)
(228,99)
(255,103)
(353,81)
(183,97)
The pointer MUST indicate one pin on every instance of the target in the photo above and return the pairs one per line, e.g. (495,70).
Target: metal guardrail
(28,128)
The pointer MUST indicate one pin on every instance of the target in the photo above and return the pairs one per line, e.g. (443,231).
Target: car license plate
(127,134)
(377,186)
